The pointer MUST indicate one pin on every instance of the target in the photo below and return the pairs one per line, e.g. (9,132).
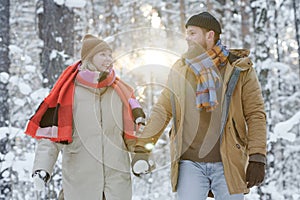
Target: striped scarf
(205,67)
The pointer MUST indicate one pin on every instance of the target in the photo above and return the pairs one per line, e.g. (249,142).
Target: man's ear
(210,35)
(210,41)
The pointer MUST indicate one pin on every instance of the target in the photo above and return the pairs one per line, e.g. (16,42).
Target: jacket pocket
(170,133)
(238,134)
(73,147)
(240,144)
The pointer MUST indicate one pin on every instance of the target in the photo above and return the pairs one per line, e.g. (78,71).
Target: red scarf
(54,117)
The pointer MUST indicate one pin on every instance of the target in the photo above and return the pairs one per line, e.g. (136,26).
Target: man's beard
(194,50)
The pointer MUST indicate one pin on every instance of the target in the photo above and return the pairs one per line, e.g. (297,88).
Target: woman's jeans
(197,178)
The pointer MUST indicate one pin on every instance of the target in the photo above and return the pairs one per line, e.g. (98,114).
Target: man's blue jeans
(197,178)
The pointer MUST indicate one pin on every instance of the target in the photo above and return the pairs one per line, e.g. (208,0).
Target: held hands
(255,173)
(40,178)
(141,122)
(140,162)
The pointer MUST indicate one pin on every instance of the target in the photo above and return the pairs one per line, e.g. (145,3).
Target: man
(218,136)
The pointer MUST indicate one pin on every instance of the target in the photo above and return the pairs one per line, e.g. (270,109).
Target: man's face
(196,37)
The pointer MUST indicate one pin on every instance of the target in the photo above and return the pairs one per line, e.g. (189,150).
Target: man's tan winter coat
(97,160)
(244,130)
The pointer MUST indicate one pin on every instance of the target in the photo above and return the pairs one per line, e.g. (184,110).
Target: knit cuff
(258,158)
(138,113)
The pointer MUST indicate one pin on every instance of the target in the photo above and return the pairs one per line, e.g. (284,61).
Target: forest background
(39,38)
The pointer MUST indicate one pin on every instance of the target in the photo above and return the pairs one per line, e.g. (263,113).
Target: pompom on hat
(204,20)
(92,45)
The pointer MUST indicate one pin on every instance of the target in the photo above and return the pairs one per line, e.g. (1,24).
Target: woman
(91,115)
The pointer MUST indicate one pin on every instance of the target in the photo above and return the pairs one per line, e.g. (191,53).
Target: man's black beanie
(204,20)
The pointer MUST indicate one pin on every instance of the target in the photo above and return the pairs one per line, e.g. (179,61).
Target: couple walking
(213,97)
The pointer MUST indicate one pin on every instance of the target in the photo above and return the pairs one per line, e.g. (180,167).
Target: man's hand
(40,177)
(255,173)
(140,162)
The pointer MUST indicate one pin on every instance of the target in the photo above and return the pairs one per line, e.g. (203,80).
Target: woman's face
(102,60)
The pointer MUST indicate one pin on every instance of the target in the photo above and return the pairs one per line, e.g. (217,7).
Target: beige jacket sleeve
(254,112)
(46,155)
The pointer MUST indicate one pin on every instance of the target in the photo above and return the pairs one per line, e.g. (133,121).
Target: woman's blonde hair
(87,65)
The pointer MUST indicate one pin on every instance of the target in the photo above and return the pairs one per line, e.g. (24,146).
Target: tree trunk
(4,61)
(245,24)
(260,33)
(275,9)
(209,5)
(227,34)
(5,182)
(276,35)
(182,16)
(297,23)
(259,9)
(56,29)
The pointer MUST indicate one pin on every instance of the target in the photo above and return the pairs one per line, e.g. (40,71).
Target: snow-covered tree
(4,61)
(5,172)
(296,7)
(56,29)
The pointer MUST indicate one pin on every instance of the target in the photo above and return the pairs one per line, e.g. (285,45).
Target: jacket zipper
(101,138)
